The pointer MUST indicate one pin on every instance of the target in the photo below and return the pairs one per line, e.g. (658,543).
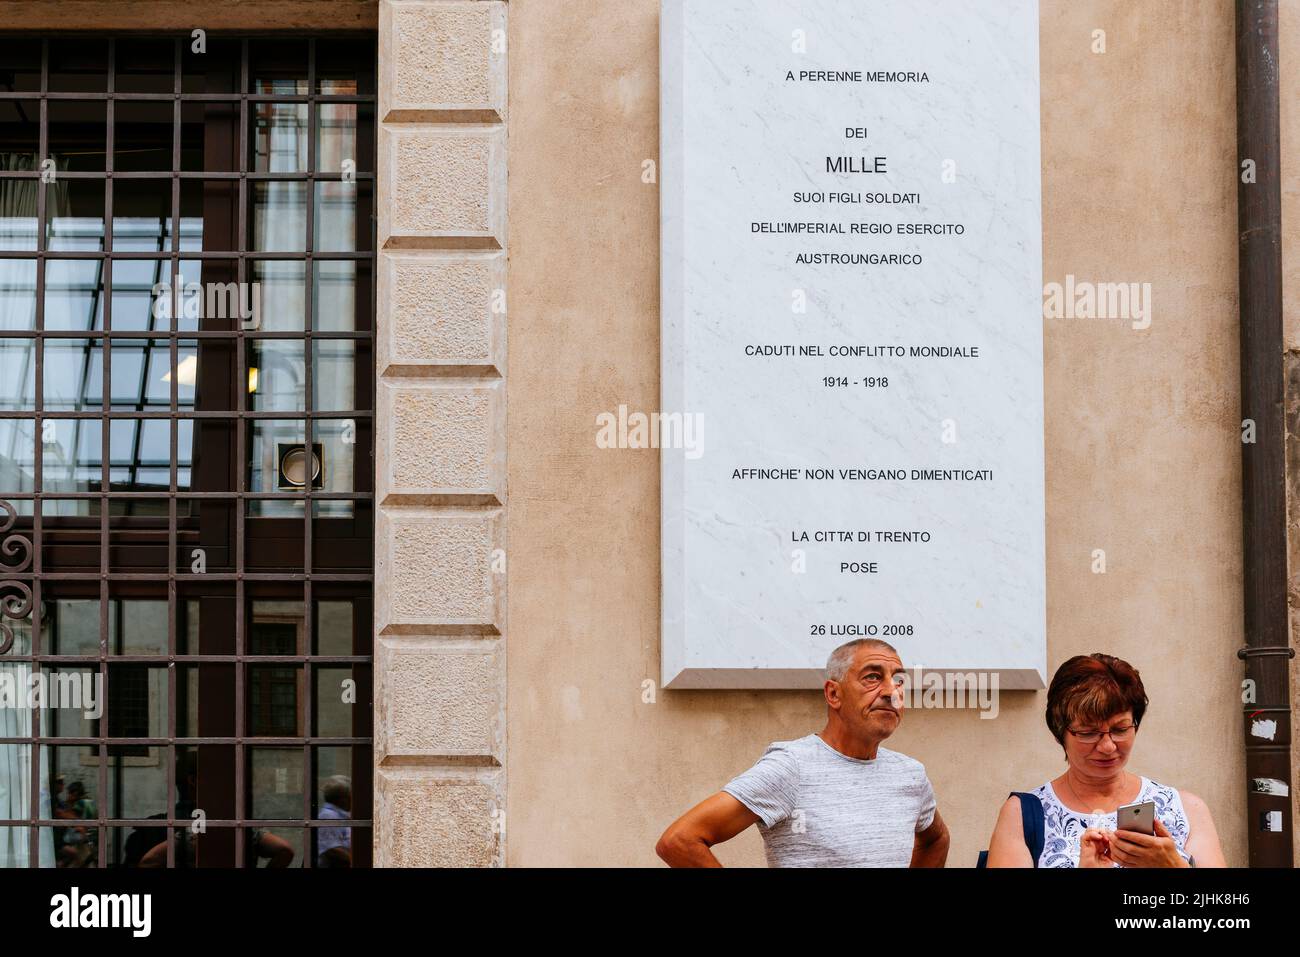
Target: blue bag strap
(1031,822)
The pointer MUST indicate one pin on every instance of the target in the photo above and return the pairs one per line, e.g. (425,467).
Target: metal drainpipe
(1263,462)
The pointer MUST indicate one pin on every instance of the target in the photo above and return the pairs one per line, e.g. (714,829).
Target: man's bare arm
(688,840)
(930,848)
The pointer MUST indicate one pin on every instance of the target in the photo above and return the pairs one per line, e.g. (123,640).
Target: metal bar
(1264,514)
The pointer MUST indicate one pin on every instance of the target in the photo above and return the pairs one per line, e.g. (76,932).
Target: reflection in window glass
(142,374)
(74,215)
(142,215)
(133,299)
(18,454)
(275,776)
(19,145)
(137,627)
(70,455)
(281,287)
(74,626)
(338,441)
(140,454)
(74,370)
(333,628)
(279,139)
(17,374)
(279,217)
(335,222)
(336,137)
(74,294)
(334,295)
(77,135)
(276,375)
(142,136)
(17,289)
(267,437)
(333,375)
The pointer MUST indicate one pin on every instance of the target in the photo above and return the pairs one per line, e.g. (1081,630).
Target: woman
(1094,707)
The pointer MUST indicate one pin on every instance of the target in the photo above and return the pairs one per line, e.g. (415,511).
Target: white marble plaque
(852,318)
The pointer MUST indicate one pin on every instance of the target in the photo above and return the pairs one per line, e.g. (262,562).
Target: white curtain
(16,775)
(17,311)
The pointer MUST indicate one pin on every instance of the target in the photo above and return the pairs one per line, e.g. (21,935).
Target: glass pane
(145,66)
(333,628)
(74,215)
(210,214)
(279,220)
(278,67)
(278,140)
(336,701)
(333,803)
(209,137)
(274,846)
(71,459)
(184,453)
(74,713)
(17,374)
(18,454)
(209,208)
(71,787)
(142,215)
(142,374)
(20,135)
(275,782)
(140,454)
(280,291)
(20,629)
(135,308)
(335,222)
(138,626)
(74,370)
(338,439)
(268,437)
(205,540)
(18,211)
(336,137)
(212,297)
(22,60)
(78,135)
(137,775)
(137,701)
(334,298)
(74,294)
(333,375)
(344,67)
(78,66)
(216,70)
(276,375)
(74,626)
(142,135)
(18,293)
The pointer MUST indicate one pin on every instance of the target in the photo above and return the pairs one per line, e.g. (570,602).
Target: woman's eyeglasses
(1116,734)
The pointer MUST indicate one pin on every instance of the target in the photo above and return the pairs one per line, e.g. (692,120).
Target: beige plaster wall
(1142,443)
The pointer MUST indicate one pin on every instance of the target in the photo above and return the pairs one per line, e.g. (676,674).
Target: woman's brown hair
(1093,688)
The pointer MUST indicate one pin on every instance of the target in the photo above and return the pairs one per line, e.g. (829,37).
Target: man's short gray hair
(838,663)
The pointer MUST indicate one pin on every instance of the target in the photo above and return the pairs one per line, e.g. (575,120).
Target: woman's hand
(1094,848)
(1132,849)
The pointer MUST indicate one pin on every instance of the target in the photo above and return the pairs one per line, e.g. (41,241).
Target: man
(835,799)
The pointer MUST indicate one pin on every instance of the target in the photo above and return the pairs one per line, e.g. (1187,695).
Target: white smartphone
(1137,817)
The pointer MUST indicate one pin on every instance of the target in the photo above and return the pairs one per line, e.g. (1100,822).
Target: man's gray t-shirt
(821,808)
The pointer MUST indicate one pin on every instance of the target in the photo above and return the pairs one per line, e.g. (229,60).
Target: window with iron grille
(186,446)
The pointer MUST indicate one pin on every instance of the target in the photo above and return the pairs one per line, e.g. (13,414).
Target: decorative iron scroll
(15,557)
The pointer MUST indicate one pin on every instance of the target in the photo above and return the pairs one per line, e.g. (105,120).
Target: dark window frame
(228,595)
